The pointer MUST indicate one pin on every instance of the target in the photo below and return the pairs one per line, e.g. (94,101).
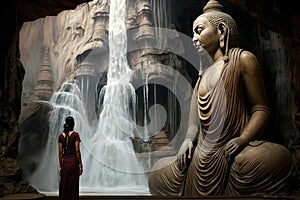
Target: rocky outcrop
(11,77)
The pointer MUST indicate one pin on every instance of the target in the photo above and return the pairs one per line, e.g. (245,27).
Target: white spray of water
(65,102)
(112,158)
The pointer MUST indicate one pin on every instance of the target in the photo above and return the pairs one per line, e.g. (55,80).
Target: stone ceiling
(281,16)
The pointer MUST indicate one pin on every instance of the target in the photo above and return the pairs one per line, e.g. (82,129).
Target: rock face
(270,15)
(78,50)
(12,74)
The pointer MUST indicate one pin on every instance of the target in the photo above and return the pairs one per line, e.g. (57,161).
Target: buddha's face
(205,37)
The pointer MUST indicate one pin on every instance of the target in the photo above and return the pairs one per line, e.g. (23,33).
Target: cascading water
(110,163)
(162,20)
(114,165)
(67,101)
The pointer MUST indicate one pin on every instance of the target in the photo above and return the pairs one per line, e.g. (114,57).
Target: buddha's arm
(193,123)
(254,86)
(255,89)
(185,150)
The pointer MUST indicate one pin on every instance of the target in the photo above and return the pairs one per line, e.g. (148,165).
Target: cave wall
(279,17)
(15,13)
(279,51)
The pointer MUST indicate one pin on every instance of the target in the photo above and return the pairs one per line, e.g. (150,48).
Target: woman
(70,164)
(229,110)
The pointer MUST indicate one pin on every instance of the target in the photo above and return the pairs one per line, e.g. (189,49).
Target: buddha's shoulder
(242,53)
(245,55)
(248,61)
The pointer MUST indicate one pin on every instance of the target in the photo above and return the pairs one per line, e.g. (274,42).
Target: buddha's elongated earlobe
(224,39)
(222,31)
(226,56)
(222,42)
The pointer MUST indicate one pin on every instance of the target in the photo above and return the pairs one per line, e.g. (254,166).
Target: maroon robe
(69,179)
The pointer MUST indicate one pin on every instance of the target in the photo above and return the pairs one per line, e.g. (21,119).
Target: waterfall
(110,163)
(66,101)
(161,12)
(162,19)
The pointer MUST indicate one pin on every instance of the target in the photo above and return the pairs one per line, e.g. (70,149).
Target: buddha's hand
(185,152)
(233,147)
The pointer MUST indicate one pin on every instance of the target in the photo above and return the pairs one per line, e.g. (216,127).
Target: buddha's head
(223,25)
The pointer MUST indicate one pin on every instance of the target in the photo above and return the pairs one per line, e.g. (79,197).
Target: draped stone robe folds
(261,167)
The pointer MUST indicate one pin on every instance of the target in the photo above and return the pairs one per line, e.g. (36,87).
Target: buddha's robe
(261,167)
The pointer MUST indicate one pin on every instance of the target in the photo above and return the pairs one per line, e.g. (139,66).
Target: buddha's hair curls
(213,12)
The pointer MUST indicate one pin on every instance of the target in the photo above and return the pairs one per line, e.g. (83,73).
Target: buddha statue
(221,153)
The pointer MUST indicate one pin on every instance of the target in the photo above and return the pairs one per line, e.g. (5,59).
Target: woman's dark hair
(68,126)
(70,122)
